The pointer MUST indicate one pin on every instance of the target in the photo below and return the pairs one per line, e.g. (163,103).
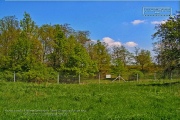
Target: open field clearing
(124,100)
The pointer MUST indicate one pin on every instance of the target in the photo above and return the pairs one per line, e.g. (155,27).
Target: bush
(133,75)
(39,75)
(7,75)
(36,74)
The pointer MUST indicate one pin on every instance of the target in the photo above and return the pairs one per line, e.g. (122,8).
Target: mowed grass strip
(124,100)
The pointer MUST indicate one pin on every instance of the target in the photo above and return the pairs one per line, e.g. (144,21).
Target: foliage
(101,57)
(143,58)
(30,51)
(6,75)
(168,44)
(135,74)
(33,50)
(120,58)
(39,74)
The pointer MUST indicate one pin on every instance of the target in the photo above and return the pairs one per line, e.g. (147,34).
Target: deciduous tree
(167,46)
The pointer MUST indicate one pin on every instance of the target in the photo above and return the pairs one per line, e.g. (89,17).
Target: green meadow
(108,100)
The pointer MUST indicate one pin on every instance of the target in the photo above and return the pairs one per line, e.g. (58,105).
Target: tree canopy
(167,46)
(41,52)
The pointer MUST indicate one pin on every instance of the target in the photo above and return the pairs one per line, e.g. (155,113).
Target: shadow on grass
(160,84)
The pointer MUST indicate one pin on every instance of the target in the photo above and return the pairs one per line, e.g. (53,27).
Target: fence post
(14,76)
(119,77)
(137,77)
(99,77)
(58,79)
(79,78)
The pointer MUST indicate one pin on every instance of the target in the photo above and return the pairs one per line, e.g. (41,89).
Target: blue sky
(117,22)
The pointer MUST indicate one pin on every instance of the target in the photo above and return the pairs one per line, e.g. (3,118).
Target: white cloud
(93,41)
(110,42)
(158,22)
(131,44)
(136,22)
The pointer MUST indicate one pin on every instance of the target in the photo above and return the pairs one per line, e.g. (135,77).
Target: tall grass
(124,100)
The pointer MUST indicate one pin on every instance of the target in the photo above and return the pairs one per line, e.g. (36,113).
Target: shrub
(7,75)
(133,75)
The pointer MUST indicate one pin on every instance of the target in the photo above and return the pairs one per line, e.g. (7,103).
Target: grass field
(124,100)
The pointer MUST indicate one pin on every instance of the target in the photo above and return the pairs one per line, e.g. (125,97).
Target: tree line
(40,52)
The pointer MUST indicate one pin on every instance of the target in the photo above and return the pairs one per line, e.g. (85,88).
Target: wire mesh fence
(75,79)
